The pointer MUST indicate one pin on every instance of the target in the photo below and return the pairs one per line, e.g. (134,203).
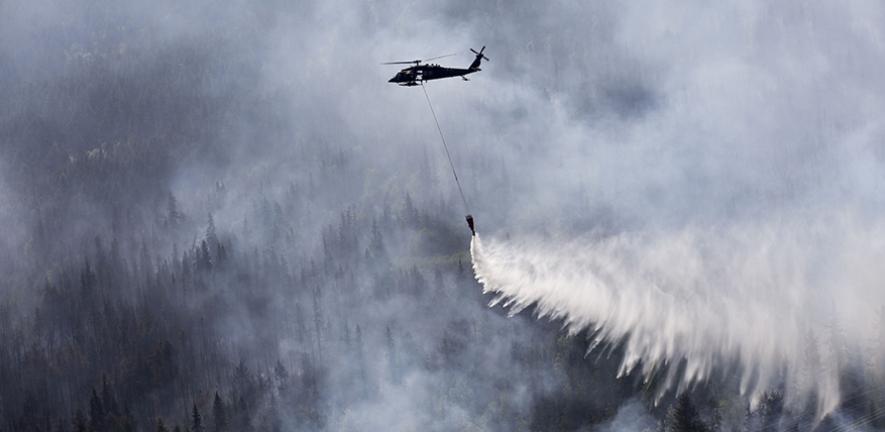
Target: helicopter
(417,74)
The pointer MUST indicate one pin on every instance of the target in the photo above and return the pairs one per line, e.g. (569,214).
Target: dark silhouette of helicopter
(416,75)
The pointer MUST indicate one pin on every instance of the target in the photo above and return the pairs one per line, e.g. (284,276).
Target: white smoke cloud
(727,160)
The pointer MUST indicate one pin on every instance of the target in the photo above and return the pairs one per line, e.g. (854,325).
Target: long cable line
(446,147)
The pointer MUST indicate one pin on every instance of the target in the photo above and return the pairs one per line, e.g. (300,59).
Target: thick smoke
(628,134)
(237,174)
(710,198)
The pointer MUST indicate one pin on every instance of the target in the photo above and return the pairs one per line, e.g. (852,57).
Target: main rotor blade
(402,62)
(439,57)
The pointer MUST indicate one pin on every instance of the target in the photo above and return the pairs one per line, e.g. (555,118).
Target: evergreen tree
(684,417)
(218,414)
(772,409)
(410,213)
(108,399)
(280,371)
(392,359)
(204,258)
(196,420)
(211,235)
(161,427)
(377,243)
(361,362)
(80,422)
(174,216)
(220,253)
(96,413)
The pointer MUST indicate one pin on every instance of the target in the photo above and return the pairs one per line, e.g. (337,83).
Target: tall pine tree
(196,420)
(684,417)
(219,415)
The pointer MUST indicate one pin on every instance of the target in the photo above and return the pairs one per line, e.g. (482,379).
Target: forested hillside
(219,216)
(276,337)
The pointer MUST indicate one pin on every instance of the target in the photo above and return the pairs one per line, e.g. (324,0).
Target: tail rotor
(479,57)
(480,54)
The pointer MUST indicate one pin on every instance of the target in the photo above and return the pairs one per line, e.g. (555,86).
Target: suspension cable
(446,147)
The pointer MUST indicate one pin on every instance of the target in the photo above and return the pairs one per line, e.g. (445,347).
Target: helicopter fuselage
(412,76)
